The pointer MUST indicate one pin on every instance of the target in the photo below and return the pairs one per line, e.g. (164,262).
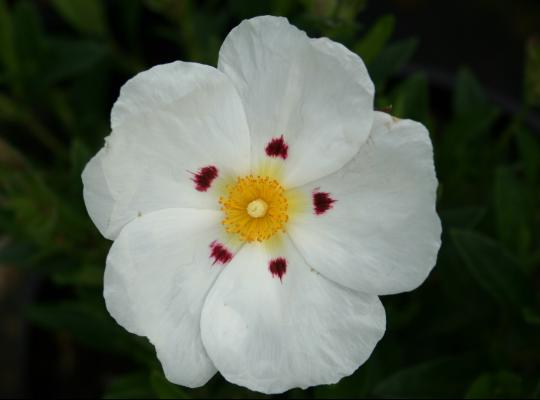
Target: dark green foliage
(86,322)
(391,60)
(499,385)
(376,38)
(493,268)
(429,379)
(472,330)
(532,72)
(410,99)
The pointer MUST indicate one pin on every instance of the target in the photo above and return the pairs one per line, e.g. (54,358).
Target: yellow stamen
(255,208)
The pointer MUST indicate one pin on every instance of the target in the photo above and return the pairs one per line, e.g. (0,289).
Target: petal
(314,92)
(381,234)
(158,273)
(168,123)
(271,332)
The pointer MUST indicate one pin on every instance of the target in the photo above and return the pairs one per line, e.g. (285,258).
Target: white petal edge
(314,92)
(157,276)
(167,123)
(383,233)
(270,335)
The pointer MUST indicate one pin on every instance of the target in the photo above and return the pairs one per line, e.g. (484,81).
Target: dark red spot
(219,253)
(278,267)
(277,148)
(204,177)
(322,202)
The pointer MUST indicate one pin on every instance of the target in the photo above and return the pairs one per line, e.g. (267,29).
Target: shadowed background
(468,70)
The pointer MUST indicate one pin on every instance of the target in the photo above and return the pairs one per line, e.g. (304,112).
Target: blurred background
(468,70)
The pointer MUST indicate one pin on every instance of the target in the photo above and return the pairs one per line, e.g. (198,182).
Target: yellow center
(255,208)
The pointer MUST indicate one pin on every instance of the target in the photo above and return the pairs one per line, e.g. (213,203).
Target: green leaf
(472,127)
(532,72)
(375,39)
(282,7)
(130,386)
(500,385)
(86,16)
(69,58)
(390,60)
(429,379)
(89,324)
(531,316)
(84,322)
(79,275)
(87,97)
(38,219)
(333,9)
(29,46)
(411,99)
(462,154)
(529,149)
(513,210)
(8,108)
(348,10)
(494,269)
(160,6)
(79,154)
(469,96)
(165,389)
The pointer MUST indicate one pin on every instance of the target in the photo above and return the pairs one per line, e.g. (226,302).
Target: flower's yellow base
(255,208)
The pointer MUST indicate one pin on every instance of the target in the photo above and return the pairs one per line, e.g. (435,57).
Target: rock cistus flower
(259,209)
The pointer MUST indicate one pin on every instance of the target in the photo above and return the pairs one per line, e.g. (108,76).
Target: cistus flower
(259,209)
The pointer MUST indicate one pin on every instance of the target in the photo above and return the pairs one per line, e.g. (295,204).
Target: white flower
(259,209)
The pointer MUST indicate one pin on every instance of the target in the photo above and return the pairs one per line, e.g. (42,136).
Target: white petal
(382,234)
(271,335)
(157,276)
(314,92)
(168,122)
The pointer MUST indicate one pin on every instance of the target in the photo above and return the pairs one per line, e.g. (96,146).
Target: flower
(259,209)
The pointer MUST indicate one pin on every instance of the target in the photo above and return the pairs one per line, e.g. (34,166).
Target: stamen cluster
(245,191)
